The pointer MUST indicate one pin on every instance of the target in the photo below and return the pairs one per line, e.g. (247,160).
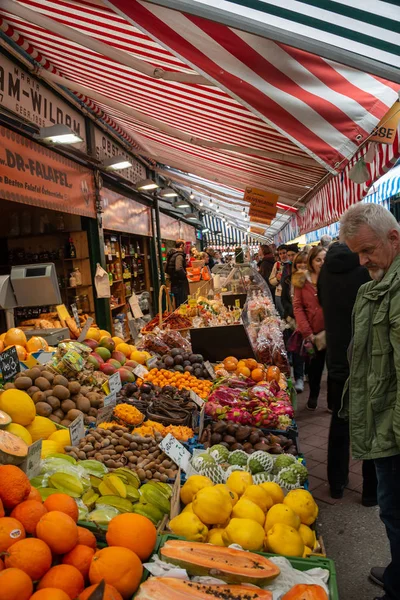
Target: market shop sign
(35,175)
(259,217)
(106,147)
(261,200)
(27,97)
(257,230)
(385,131)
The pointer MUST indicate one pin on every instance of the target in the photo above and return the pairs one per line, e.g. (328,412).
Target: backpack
(170,266)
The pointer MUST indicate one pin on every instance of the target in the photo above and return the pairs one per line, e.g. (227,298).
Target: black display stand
(229,299)
(216,343)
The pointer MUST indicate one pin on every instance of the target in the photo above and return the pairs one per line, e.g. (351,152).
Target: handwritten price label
(176,451)
(140,371)
(104,414)
(9,363)
(114,382)
(31,465)
(77,430)
(196,398)
(111,399)
(210,369)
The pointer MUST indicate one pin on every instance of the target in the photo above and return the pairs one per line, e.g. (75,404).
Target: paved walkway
(353,535)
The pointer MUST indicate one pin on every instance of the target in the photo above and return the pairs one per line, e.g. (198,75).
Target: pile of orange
(16,337)
(60,561)
(182,381)
(249,367)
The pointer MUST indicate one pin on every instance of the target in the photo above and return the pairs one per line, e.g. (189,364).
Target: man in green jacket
(373,402)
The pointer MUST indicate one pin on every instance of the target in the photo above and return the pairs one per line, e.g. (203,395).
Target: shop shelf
(118,306)
(117,281)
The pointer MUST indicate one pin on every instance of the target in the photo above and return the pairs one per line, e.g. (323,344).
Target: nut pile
(118,448)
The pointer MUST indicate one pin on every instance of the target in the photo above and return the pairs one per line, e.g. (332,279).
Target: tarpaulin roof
(250,111)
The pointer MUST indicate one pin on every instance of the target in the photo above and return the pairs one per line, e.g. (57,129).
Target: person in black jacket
(176,270)
(265,265)
(338,284)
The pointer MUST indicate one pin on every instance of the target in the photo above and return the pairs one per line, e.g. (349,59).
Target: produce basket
(301,564)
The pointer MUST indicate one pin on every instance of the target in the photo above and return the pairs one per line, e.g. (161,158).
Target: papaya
(13,450)
(306,591)
(228,564)
(169,588)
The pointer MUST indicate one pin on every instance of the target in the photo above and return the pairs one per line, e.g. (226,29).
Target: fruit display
(96,494)
(55,396)
(117,448)
(242,400)
(183,362)
(60,560)
(244,437)
(249,367)
(182,381)
(218,463)
(16,337)
(170,320)
(169,588)
(181,433)
(163,341)
(110,355)
(256,516)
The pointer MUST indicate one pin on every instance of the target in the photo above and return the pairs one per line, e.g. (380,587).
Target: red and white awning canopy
(262,114)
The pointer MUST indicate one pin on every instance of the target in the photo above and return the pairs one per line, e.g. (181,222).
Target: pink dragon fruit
(282,407)
(284,422)
(239,416)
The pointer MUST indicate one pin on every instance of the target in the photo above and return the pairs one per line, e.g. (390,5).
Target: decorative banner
(170,228)
(385,131)
(33,174)
(30,99)
(106,147)
(124,214)
(261,201)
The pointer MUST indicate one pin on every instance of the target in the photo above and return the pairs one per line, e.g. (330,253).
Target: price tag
(140,371)
(77,430)
(111,399)
(201,423)
(237,302)
(75,315)
(9,363)
(134,304)
(192,302)
(210,369)
(85,329)
(152,362)
(114,383)
(175,451)
(196,398)
(31,465)
(104,414)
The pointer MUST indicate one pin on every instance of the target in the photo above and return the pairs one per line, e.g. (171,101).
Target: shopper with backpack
(176,271)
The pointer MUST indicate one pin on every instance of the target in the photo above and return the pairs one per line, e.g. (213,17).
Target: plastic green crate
(302,564)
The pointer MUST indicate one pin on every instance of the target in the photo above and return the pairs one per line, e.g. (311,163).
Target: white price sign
(111,399)
(140,371)
(210,369)
(77,430)
(196,398)
(85,329)
(114,382)
(31,464)
(104,414)
(176,451)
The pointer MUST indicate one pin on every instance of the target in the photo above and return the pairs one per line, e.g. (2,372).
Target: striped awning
(203,98)
(385,188)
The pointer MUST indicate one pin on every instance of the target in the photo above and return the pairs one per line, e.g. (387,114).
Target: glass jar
(78,276)
(85,303)
(72,280)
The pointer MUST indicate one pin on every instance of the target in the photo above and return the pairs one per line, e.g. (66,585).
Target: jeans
(298,366)
(315,370)
(279,305)
(180,292)
(388,473)
(339,447)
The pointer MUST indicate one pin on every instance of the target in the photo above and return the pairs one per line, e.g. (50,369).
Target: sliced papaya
(228,564)
(169,588)
(5,419)
(13,450)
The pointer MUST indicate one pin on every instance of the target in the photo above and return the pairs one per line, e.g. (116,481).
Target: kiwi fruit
(61,392)
(48,393)
(65,422)
(60,380)
(94,399)
(92,412)
(55,419)
(23,383)
(54,402)
(74,387)
(67,405)
(83,404)
(9,386)
(43,409)
(42,383)
(59,413)
(74,414)
(38,397)
(32,390)
(33,373)
(49,376)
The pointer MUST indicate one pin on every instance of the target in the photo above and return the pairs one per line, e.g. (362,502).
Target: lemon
(246,509)
(245,532)
(259,496)
(233,495)
(274,490)
(280,513)
(303,504)
(188,508)
(212,506)
(286,540)
(194,484)
(215,537)
(238,481)
(307,535)
(190,527)
(20,431)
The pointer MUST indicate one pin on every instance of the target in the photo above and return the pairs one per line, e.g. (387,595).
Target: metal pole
(158,233)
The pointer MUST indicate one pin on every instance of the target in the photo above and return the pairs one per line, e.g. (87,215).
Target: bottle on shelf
(72,280)
(131,249)
(85,303)
(70,250)
(137,253)
(78,276)
(110,277)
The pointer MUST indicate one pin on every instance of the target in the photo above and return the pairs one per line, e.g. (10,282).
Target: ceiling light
(217,208)
(58,134)
(191,195)
(116,163)
(228,225)
(169,193)
(211,202)
(201,203)
(205,230)
(147,184)
(181,203)
(191,216)
(248,229)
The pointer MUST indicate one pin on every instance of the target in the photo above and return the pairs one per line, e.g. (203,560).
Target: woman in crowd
(194,255)
(310,319)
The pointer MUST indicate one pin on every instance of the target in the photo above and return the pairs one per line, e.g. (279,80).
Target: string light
(201,203)
(217,208)
(191,195)
(211,202)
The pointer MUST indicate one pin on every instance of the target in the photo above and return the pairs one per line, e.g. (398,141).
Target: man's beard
(376,274)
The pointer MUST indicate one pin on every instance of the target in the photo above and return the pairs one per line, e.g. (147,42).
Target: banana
(67,484)
(116,485)
(148,510)
(121,504)
(153,495)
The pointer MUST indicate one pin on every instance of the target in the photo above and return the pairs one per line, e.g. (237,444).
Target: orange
(65,578)
(2,346)
(59,531)
(11,531)
(244,371)
(124,348)
(110,593)
(93,334)
(230,359)
(64,504)
(29,514)
(257,374)
(81,558)
(36,343)
(86,538)
(117,340)
(273,373)
(251,363)
(31,556)
(2,567)
(118,567)
(21,352)
(14,484)
(15,337)
(3,336)
(34,495)
(15,585)
(230,365)
(134,532)
(50,594)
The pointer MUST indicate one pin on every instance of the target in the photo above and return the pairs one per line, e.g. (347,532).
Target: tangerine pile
(182,381)
(16,337)
(249,367)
